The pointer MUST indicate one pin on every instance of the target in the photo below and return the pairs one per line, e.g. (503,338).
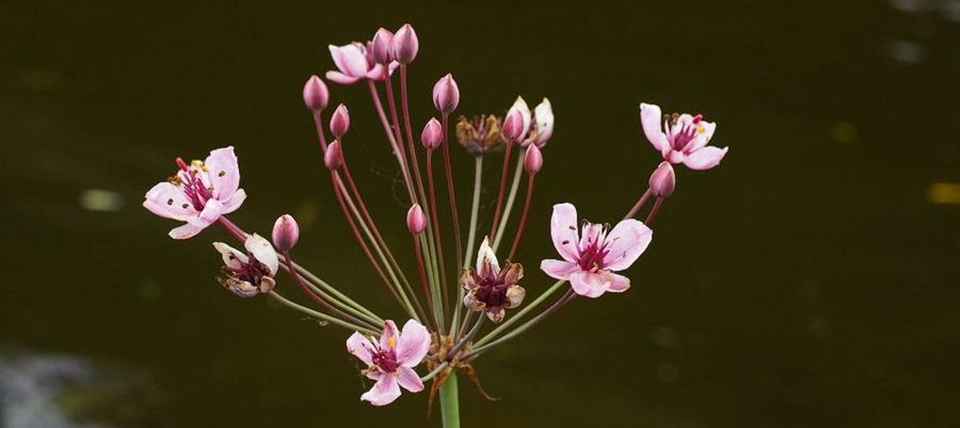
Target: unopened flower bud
(333,157)
(533,159)
(663,180)
(405,45)
(512,126)
(520,109)
(446,94)
(315,94)
(286,232)
(380,47)
(340,121)
(432,135)
(416,221)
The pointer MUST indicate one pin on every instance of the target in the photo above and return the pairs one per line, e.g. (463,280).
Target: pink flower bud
(315,94)
(519,109)
(286,232)
(663,180)
(340,121)
(512,128)
(333,158)
(533,159)
(416,221)
(405,44)
(446,94)
(380,47)
(432,135)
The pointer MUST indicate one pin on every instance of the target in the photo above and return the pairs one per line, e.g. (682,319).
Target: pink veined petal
(413,344)
(487,263)
(563,231)
(589,284)
(343,79)
(223,172)
(705,158)
(701,140)
(559,269)
(625,243)
(618,283)
(389,331)
(211,212)
(361,347)
(354,60)
(650,116)
(590,233)
(168,201)
(263,252)
(233,204)
(409,379)
(383,392)
(232,257)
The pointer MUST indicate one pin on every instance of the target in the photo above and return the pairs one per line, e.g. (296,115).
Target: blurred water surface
(810,280)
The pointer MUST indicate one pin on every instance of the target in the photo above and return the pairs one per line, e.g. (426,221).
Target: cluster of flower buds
(446,315)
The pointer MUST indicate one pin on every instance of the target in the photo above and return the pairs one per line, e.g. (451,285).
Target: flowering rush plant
(463,297)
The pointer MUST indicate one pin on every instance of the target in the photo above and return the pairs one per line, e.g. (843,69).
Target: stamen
(182,165)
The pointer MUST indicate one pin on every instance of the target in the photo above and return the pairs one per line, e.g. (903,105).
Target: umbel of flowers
(460,299)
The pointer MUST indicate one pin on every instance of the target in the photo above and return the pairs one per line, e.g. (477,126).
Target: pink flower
(685,139)
(590,258)
(355,62)
(199,194)
(391,360)
(248,275)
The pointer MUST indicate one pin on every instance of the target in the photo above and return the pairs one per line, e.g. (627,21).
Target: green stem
(471,237)
(450,402)
(516,317)
(319,315)
(509,206)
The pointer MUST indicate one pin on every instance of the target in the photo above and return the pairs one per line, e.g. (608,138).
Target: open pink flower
(199,193)
(591,257)
(683,138)
(247,275)
(355,62)
(391,360)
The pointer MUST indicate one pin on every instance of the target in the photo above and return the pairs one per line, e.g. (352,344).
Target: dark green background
(806,281)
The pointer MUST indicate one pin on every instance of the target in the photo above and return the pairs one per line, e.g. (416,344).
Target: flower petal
(650,116)
(590,233)
(487,264)
(361,347)
(232,204)
(223,172)
(389,338)
(343,79)
(263,252)
(211,212)
(701,140)
(705,158)
(559,269)
(413,344)
(563,230)
(409,379)
(232,257)
(589,284)
(625,243)
(168,201)
(618,283)
(383,392)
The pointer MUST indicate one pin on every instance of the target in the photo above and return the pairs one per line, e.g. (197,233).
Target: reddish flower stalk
(435,220)
(451,193)
(640,203)
(523,217)
(653,212)
(503,185)
(423,280)
(398,150)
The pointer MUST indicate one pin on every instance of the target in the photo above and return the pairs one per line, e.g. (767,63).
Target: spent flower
(489,287)
(247,275)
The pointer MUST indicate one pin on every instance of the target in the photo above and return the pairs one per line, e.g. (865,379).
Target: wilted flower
(391,360)
(199,193)
(590,259)
(683,137)
(247,275)
(490,288)
(479,134)
(542,125)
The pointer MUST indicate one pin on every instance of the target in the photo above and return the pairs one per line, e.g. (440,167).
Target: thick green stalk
(450,402)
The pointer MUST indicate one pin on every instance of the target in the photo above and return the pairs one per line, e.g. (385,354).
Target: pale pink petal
(413,344)
(673,156)
(168,201)
(349,59)
(705,158)
(263,252)
(590,233)
(702,138)
(487,263)
(618,283)
(232,257)
(625,243)
(361,347)
(563,230)
(389,338)
(589,284)
(650,117)
(376,73)
(211,212)
(343,79)
(232,204)
(409,379)
(559,269)
(223,172)
(383,392)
